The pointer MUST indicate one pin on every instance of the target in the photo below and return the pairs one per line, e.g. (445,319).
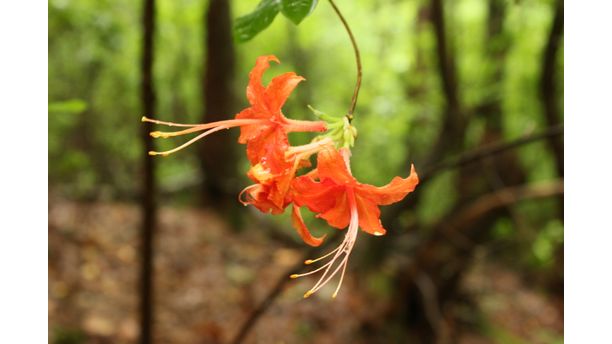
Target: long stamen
(227,123)
(204,134)
(341,279)
(344,248)
(326,272)
(321,284)
(171,124)
(311,272)
(351,236)
(310,261)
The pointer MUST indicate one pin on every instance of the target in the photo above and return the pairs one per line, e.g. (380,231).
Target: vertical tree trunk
(503,170)
(453,124)
(148,192)
(548,89)
(217,154)
(549,97)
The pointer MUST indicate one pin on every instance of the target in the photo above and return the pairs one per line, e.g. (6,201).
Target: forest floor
(208,279)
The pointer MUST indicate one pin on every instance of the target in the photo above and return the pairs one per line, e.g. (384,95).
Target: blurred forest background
(470,91)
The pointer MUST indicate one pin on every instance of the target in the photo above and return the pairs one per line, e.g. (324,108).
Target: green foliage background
(94,112)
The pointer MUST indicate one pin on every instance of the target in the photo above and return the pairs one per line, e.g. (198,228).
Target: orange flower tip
(308,261)
(307,294)
(379,233)
(294,276)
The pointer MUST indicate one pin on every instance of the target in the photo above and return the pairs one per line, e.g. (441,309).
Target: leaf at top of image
(297,10)
(248,26)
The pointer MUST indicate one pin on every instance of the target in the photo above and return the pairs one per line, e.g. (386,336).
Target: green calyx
(339,129)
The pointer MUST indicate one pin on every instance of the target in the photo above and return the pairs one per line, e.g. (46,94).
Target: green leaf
(297,10)
(248,26)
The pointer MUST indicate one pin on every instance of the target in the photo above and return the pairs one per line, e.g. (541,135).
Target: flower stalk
(351,110)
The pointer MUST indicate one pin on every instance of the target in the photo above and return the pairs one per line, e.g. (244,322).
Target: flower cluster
(329,190)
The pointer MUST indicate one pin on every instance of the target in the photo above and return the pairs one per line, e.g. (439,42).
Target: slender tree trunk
(453,125)
(548,85)
(550,102)
(149,207)
(218,158)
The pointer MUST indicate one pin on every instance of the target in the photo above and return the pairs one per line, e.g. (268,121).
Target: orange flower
(263,126)
(273,175)
(337,197)
(266,104)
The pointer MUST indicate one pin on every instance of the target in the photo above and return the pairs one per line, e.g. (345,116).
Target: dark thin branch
(499,199)
(452,131)
(490,150)
(357,60)
(279,286)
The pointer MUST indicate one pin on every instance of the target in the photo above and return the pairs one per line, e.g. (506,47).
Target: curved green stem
(357,59)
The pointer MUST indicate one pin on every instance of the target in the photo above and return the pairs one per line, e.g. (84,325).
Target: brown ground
(208,279)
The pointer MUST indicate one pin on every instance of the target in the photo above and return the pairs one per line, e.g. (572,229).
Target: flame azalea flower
(273,175)
(337,197)
(263,127)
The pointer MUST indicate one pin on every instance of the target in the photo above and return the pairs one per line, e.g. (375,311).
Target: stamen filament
(310,261)
(344,248)
(204,134)
(228,123)
(310,272)
(341,279)
(320,284)
(330,264)
(171,124)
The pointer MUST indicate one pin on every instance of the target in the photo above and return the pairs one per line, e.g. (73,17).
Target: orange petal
(369,217)
(300,227)
(279,90)
(255,90)
(319,197)
(331,164)
(339,215)
(257,195)
(393,192)
(267,144)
